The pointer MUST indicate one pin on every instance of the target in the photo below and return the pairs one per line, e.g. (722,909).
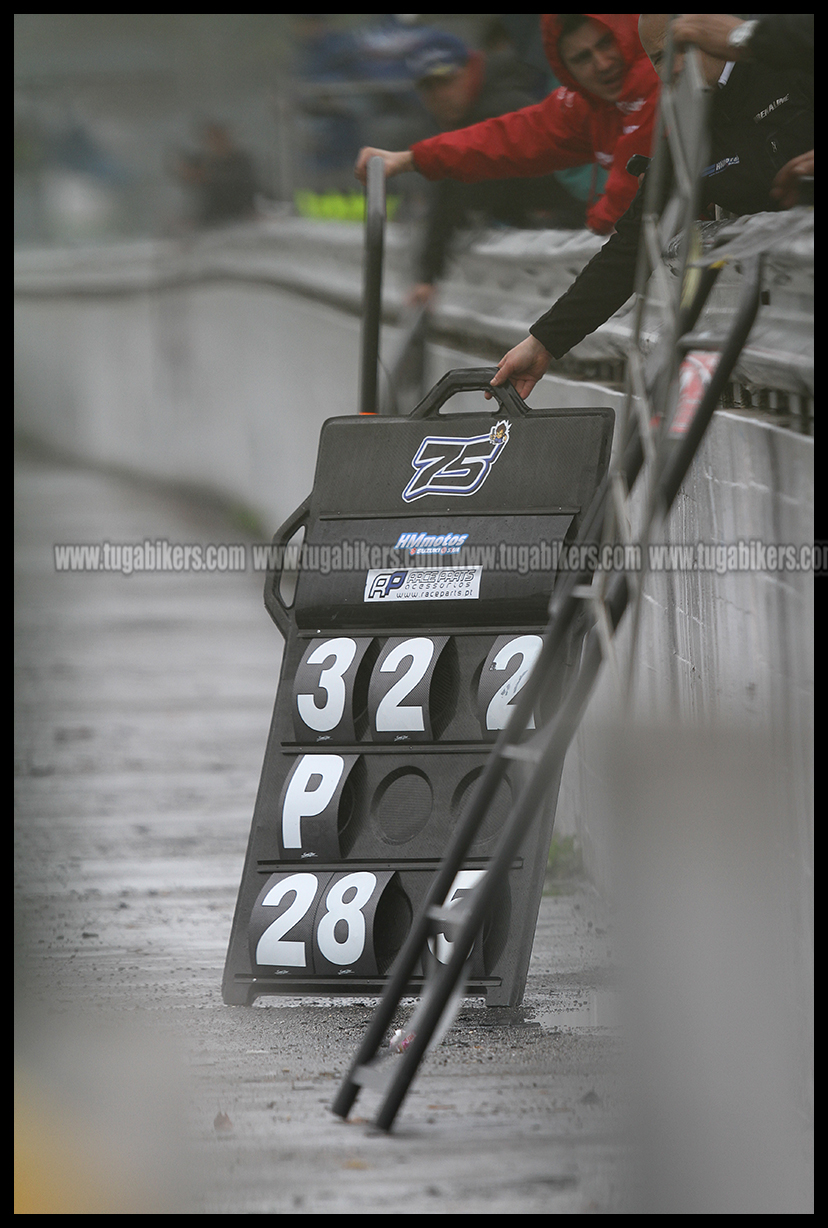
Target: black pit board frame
(401,658)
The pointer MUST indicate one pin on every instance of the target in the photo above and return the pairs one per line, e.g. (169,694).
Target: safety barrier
(500,281)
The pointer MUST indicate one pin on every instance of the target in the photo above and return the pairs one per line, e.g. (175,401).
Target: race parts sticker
(423,584)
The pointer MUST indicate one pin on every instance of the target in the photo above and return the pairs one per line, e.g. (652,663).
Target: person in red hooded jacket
(603,112)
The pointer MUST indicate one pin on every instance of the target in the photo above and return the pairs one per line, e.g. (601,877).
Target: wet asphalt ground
(142,705)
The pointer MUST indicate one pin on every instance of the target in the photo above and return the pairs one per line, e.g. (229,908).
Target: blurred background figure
(220,178)
(459,87)
(392,110)
(327,118)
(354,88)
(67,181)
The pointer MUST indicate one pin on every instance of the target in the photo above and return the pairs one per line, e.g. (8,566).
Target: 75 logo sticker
(455,465)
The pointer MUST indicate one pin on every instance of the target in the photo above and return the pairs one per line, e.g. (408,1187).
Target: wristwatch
(740,36)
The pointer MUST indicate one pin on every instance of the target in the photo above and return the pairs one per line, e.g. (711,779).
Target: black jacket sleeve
(599,290)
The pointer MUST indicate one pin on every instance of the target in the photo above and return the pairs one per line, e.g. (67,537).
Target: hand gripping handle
(471,379)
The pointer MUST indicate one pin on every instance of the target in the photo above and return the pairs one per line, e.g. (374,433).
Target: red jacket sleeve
(621,187)
(549,136)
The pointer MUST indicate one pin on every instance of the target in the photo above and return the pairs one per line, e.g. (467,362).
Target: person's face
(447,98)
(594,59)
(652,30)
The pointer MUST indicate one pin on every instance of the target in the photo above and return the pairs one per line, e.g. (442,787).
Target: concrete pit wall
(216,365)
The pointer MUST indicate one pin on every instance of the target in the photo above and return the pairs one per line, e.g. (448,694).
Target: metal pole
(372,285)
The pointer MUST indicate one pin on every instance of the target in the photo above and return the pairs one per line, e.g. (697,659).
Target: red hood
(625,28)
